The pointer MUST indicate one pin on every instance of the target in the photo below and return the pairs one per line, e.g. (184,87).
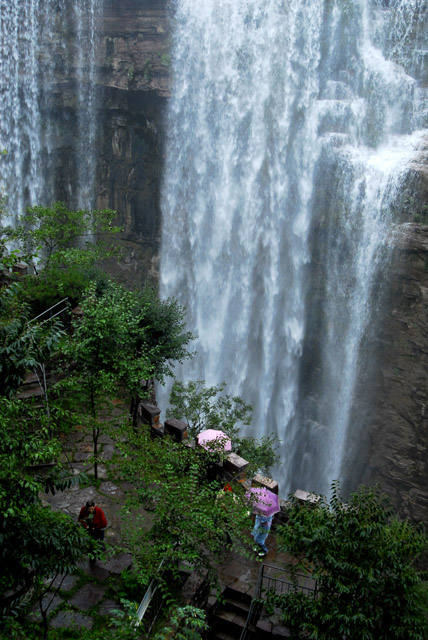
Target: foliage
(106,347)
(186,623)
(261,453)
(35,541)
(364,561)
(164,323)
(189,513)
(54,232)
(56,283)
(22,344)
(124,337)
(124,621)
(209,408)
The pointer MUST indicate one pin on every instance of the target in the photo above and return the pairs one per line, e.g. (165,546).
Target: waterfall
(47,72)
(290,128)
(86,16)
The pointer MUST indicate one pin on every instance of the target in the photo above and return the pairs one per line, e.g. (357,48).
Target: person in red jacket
(93,519)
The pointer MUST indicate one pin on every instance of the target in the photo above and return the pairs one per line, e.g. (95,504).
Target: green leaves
(207,408)
(52,232)
(189,513)
(22,344)
(108,343)
(165,335)
(35,541)
(364,560)
(210,408)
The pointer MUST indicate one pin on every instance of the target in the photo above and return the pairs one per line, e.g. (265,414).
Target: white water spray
(290,128)
(47,48)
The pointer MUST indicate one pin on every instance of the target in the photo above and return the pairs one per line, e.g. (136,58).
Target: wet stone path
(89,596)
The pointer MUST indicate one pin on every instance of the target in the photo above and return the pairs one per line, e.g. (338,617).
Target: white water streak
(37,56)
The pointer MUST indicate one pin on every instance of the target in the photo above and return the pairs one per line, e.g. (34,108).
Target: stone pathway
(85,597)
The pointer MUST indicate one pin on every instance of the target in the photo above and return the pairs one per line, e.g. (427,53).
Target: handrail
(64,300)
(147,599)
(272,582)
(254,607)
(145,602)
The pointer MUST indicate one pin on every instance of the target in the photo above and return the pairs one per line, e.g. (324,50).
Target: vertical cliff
(398,428)
(133,63)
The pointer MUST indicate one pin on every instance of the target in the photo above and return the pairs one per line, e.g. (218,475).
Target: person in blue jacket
(260,532)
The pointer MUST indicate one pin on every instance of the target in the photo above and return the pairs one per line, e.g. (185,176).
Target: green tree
(64,247)
(188,514)
(365,563)
(60,236)
(161,332)
(165,330)
(106,348)
(36,542)
(209,408)
(23,344)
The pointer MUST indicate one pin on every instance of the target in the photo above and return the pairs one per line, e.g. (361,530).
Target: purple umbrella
(207,439)
(265,502)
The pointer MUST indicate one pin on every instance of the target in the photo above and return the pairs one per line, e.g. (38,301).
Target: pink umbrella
(265,502)
(209,436)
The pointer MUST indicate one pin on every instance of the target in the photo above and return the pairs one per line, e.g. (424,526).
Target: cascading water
(47,48)
(86,17)
(289,131)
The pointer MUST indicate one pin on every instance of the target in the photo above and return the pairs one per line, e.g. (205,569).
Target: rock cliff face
(133,63)
(397,452)
(396,455)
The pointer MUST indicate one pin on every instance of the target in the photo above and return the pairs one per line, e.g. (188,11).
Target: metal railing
(255,607)
(59,310)
(152,602)
(280,585)
(152,598)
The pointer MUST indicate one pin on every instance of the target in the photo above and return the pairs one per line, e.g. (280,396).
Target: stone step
(231,622)
(221,635)
(236,604)
(234,595)
(31,388)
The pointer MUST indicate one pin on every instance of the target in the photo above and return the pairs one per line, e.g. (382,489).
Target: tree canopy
(205,407)
(365,562)
(35,541)
(191,517)
(56,235)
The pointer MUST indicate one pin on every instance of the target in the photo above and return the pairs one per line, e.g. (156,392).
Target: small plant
(187,623)
(131,74)
(148,71)
(165,59)
(125,621)
(209,408)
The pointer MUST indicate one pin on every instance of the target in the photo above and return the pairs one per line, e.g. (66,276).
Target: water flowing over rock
(291,131)
(47,112)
